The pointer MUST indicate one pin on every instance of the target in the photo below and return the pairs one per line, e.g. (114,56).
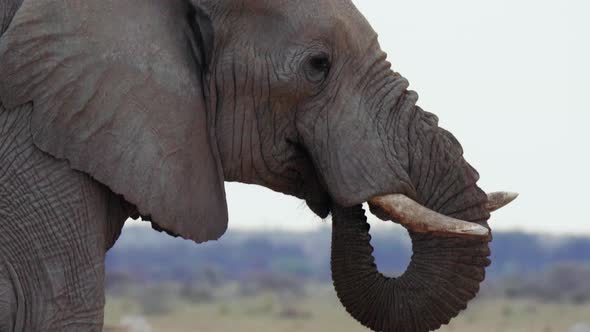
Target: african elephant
(111,109)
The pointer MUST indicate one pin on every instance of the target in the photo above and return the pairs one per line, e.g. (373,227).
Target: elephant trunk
(443,275)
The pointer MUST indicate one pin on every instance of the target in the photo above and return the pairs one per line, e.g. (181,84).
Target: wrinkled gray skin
(145,107)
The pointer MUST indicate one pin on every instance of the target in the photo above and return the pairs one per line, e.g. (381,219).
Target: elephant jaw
(419,219)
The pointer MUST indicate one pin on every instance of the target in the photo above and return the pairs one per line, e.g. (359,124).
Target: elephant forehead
(317,7)
(285,20)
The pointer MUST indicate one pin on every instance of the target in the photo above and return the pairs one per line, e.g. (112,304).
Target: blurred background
(510,79)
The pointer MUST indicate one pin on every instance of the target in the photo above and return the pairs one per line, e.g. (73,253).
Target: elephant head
(163,101)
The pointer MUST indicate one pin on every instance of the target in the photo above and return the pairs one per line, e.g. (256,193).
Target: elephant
(145,108)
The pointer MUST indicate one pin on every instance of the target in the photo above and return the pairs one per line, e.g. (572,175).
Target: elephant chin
(443,276)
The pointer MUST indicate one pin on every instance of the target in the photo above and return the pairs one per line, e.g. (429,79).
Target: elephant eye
(318,68)
(320,63)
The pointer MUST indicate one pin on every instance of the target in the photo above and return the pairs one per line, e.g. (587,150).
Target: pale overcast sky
(511,80)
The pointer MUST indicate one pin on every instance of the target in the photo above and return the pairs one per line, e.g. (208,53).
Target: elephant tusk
(499,200)
(420,219)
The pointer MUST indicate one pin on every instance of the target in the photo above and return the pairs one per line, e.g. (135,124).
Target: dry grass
(322,312)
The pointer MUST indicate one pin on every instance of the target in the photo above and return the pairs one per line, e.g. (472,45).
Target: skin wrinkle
(217,107)
(275,71)
(372,67)
(433,195)
(18,290)
(261,147)
(393,120)
(382,84)
(380,106)
(253,123)
(38,192)
(261,103)
(451,300)
(431,175)
(254,165)
(431,200)
(422,162)
(408,130)
(425,162)
(460,192)
(400,147)
(67,92)
(99,82)
(399,110)
(16,179)
(4,148)
(241,133)
(235,89)
(384,139)
(260,126)
(269,101)
(431,310)
(45,58)
(438,204)
(365,173)
(391,97)
(437,169)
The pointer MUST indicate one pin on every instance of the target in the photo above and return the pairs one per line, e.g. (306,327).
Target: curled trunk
(443,275)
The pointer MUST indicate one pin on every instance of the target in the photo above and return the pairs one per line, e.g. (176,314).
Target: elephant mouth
(448,263)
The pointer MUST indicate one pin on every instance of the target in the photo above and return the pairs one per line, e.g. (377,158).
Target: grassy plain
(320,311)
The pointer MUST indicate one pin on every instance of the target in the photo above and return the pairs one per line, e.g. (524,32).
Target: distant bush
(118,282)
(284,285)
(156,300)
(562,283)
(142,254)
(195,293)
(295,313)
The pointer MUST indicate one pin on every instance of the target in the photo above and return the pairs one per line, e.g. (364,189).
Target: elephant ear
(117,91)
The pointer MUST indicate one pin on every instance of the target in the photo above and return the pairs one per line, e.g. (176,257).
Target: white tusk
(499,200)
(420,219)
